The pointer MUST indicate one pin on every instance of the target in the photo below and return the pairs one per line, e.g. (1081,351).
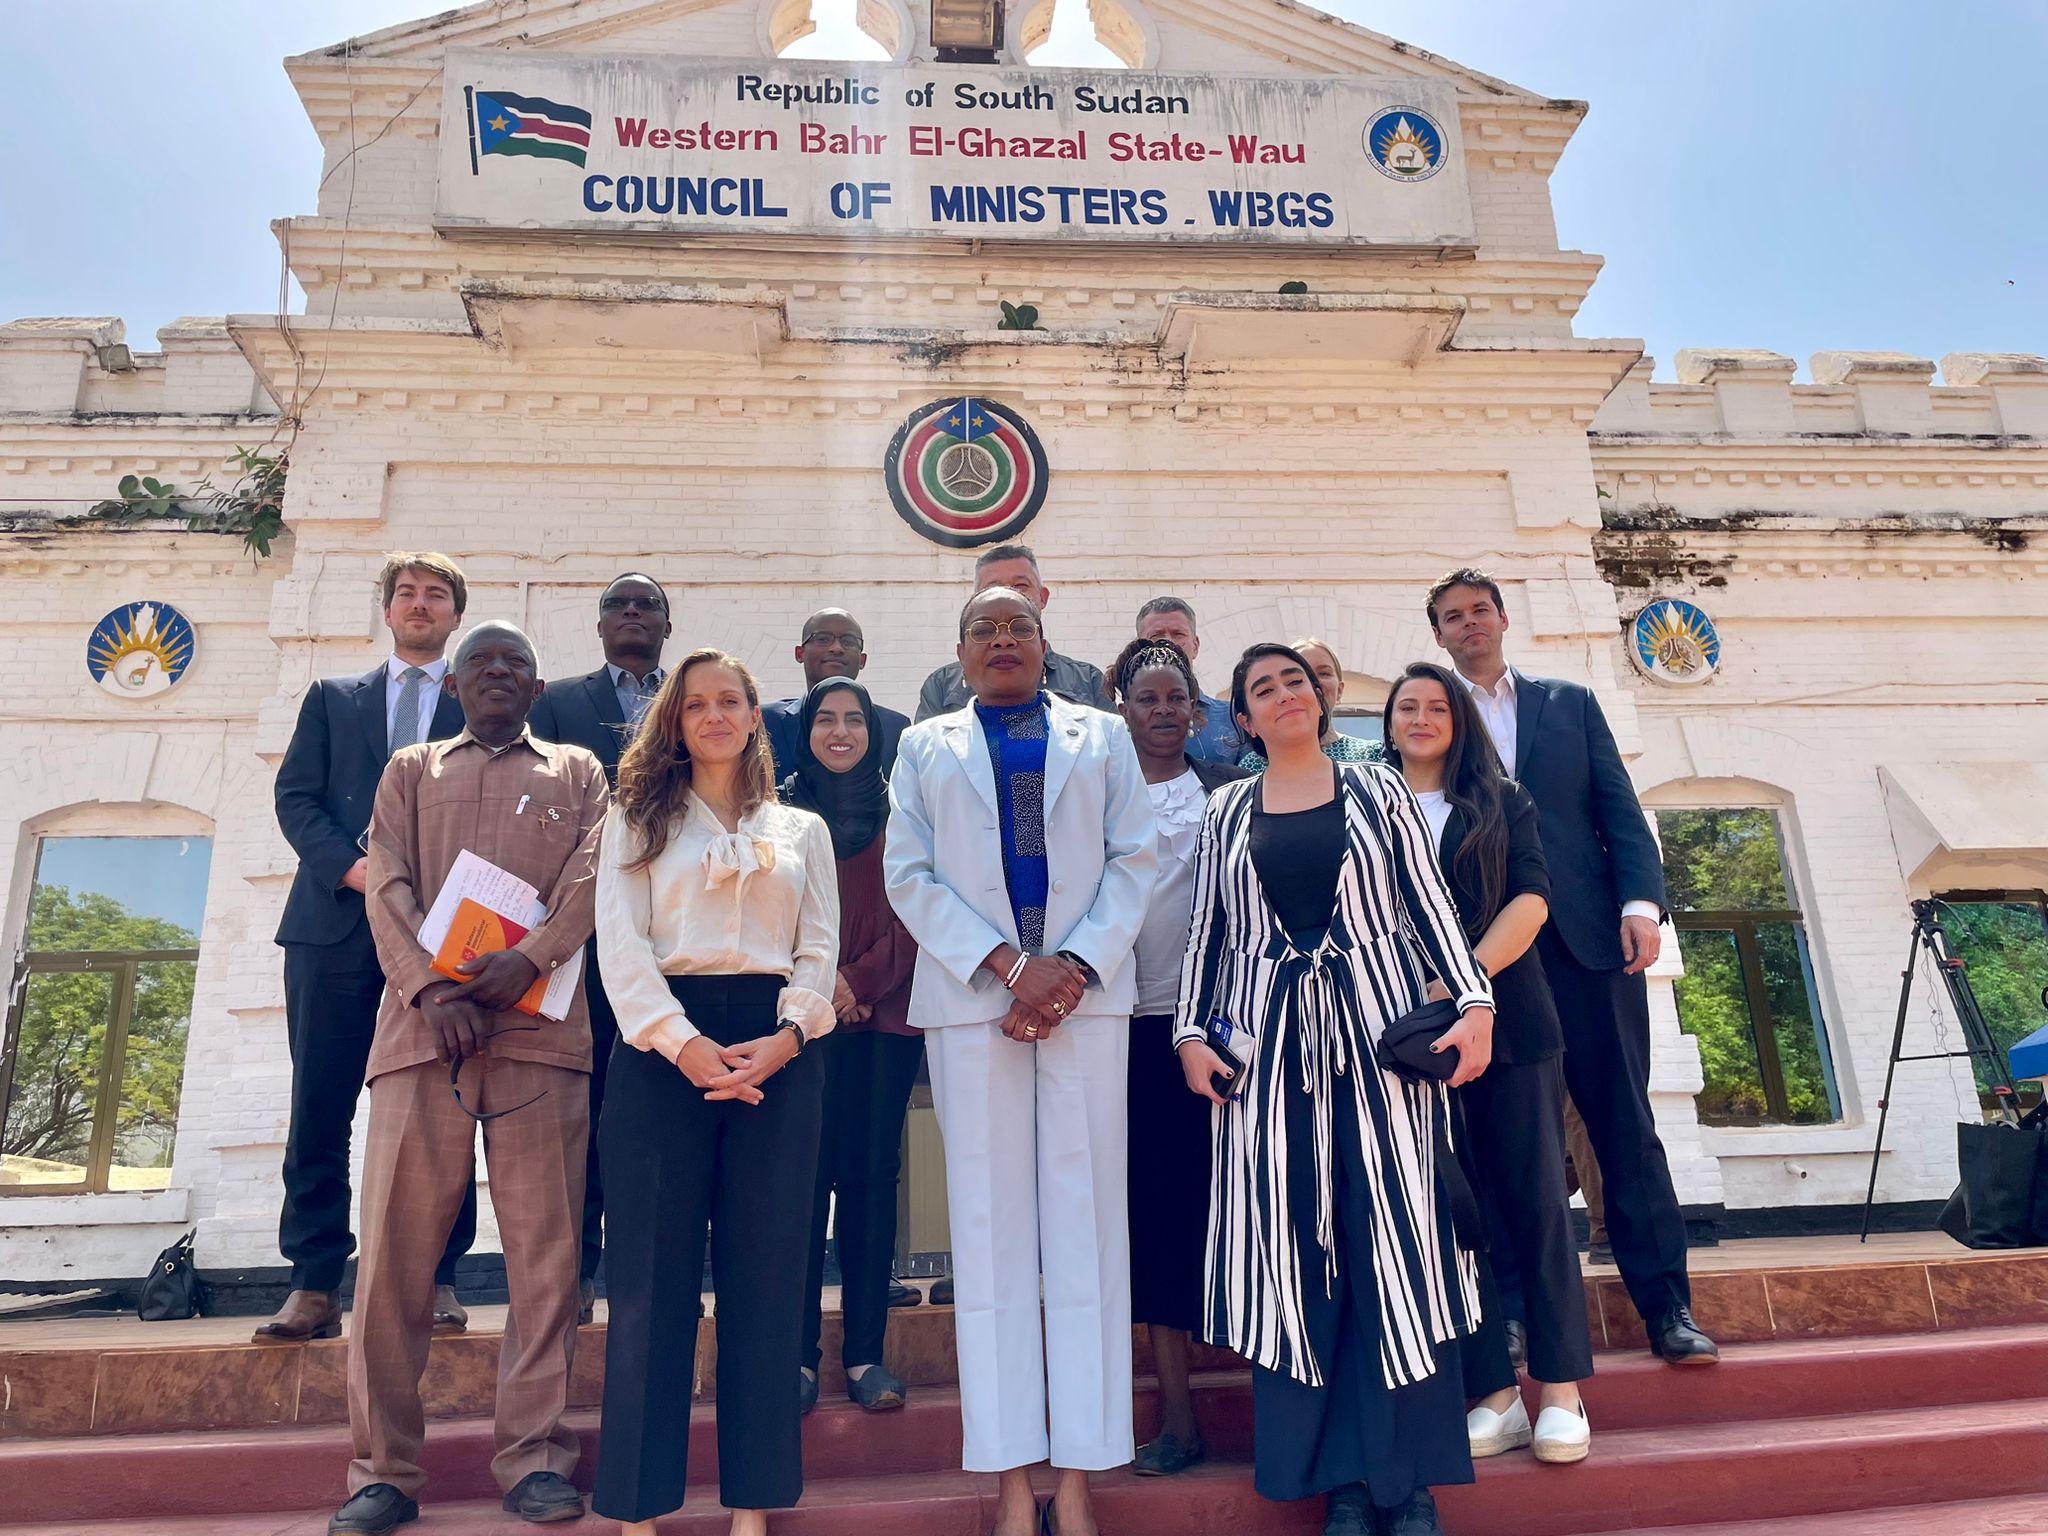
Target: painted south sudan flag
(505,124)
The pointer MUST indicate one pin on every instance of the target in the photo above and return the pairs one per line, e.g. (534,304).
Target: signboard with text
(649,143)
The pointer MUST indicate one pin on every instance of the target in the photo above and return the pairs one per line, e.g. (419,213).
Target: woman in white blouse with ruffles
(718,939)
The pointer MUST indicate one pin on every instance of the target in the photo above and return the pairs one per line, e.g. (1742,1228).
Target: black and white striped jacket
(1242,967)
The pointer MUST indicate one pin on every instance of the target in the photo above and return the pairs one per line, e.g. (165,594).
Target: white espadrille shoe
(1492,1433)
(1563,1436)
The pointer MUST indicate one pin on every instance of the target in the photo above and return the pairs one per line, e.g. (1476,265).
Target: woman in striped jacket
(1332,1265)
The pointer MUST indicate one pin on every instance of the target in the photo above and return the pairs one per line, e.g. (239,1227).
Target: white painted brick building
(553,410)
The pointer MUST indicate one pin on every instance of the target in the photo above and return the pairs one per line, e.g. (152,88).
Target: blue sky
(1792,174)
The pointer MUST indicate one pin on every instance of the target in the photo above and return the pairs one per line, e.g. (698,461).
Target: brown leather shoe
(304,1315)
(449,1316)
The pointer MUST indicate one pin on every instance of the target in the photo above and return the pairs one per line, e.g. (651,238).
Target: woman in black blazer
(1492,855)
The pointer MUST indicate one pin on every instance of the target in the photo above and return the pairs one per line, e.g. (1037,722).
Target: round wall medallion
(1674,641)
(966,471)
(1405,144)
(140,650)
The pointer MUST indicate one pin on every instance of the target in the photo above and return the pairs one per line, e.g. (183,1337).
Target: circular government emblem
(139,650)
(965,471)
(1674,641)
(1405,143)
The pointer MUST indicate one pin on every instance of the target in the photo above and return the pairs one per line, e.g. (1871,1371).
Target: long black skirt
(1354,1428)
(1169,1181)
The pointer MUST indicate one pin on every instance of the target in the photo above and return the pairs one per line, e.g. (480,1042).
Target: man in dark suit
(599,711)
(832,646)
(1607,899)
(348,728)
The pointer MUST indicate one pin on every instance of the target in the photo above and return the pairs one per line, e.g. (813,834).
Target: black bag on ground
(1995,1204)
(173,1290)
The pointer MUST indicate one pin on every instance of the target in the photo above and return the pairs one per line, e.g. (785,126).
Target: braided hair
(1141,655)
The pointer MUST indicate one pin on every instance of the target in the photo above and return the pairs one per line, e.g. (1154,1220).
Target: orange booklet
(477,930)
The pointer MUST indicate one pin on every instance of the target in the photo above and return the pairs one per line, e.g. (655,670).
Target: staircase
(1933,1433)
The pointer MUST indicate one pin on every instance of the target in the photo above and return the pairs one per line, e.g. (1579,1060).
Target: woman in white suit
(1021,856)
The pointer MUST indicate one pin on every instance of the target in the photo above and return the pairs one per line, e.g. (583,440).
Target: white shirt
(1497,709)
(1436,810)
(1162,944)
(762,900)
(430,694)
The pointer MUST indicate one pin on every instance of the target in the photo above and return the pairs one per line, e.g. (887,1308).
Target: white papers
(499,891)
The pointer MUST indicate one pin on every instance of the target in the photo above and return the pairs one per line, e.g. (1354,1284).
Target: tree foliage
(61,1045)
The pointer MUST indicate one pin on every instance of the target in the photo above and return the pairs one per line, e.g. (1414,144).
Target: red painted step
(230,1472)
(1774,1471)
(1979,1517)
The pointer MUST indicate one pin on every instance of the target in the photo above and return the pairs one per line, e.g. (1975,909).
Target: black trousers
(1606,1017)
(677,1163)
(868,1077)
(1514,1123)
(604,1034)
(331,993)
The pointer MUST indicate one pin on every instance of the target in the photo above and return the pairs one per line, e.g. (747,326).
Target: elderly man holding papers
(531,809)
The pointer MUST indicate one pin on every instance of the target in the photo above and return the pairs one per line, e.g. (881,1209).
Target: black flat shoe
(901,1295)
(1677,1339)
(878,1390)
(1167,1455)
(543,1497)
(1518,1343)
(1350,1512)
(379,1507)
(1415,1518)
(942,1291)
(806,1392)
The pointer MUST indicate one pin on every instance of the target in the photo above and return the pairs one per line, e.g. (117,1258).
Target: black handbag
(1996,1205)
(173,1290)
(1404,1046)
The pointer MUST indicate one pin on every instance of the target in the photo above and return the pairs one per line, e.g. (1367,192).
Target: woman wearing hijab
(871,1059)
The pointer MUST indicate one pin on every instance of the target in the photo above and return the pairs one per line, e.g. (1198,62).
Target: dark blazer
(326,787)
(584,712)
(1595,838)
(1525,1028)
(1213,776)
(782,719)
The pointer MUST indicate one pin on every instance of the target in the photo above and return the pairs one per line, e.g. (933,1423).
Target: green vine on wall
(252,506)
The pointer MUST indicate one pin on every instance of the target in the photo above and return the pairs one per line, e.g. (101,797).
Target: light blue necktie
(405,720)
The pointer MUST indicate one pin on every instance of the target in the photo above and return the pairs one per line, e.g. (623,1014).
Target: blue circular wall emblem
(140,650)
(1674,641)
(1405,143)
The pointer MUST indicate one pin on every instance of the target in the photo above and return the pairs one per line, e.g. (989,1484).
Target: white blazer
(943,862)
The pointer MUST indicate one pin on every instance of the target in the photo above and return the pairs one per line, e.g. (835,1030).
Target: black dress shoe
(1518,1343)
(1350,1512)
(1415,1518)
(806,1391)
(1167,1455)
(901,1295)
(878,1389)
(942,1291)
(379,1507)
(1678,1340)
(543,1497)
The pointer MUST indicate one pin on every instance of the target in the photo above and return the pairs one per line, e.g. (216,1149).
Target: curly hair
(655,769)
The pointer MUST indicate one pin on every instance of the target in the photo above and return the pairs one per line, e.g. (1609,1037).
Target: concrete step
(1897,1471)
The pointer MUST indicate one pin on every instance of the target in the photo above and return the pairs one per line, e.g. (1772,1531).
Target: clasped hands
(457,1009)
(1044,995)
(736,1071)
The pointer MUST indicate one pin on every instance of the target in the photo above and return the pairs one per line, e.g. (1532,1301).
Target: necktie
(405,720)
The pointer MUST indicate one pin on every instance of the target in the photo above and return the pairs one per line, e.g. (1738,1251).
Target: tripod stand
(1978,1043)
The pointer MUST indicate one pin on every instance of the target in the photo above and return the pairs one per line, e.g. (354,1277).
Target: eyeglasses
(981,631)
(623,604)
(486,1116)
(822,638)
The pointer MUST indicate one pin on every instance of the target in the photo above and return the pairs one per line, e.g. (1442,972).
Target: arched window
(94,1055)
(1078,34)
(1749,995)
(837,29)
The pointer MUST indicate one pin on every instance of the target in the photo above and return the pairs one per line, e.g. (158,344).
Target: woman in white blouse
(718,938)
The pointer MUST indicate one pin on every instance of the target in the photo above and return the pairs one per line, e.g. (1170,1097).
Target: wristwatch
(1087,970)
(796,1029)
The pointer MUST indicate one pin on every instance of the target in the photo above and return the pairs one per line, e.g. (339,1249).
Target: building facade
(1845,717)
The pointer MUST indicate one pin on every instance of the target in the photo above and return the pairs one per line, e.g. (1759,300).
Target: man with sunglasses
(832,646)
(450,1053)
(1021,855)
(599,711)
